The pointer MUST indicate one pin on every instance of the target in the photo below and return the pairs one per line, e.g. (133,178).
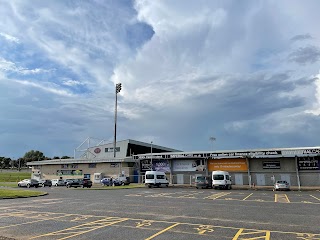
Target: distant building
(298,166)
(98,161)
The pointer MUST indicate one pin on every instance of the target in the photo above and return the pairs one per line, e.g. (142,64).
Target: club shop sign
(271,165)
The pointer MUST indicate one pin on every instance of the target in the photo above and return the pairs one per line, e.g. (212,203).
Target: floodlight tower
(118,89)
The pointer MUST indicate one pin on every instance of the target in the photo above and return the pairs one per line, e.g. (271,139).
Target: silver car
(281,185)
(28,183)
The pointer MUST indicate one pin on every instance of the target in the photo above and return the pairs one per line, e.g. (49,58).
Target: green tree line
(6,163)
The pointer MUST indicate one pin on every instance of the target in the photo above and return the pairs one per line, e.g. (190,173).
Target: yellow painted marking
(283,198)
(202,229)
(241,233)
(287,198)
(217,195)
(164,230)
(78,230)
(144,223)
(19,224)
(315,197)
(247,196)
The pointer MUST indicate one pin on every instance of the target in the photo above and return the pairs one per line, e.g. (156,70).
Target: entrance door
(180,179)
(238,179)
(285,177)
(261,181)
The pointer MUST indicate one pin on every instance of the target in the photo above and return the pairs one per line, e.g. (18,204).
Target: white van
(221,179)
(155,178)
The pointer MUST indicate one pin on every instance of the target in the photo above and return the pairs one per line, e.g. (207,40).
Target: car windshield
(149,176)
(201,178)
(282,182)
(218,177)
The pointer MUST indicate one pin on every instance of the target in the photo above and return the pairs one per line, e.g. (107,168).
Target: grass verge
(13,176)
(8,184)
(9,193)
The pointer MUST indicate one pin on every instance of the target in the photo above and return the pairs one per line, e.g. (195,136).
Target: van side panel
(221,179)
(155,178)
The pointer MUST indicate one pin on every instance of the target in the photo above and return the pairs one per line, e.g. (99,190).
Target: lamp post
(118,89)
(151,156)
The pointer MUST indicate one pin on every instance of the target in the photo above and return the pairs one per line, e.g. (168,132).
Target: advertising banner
(188,165)
(161,165)
(309,163)
(227,164)
(271,165)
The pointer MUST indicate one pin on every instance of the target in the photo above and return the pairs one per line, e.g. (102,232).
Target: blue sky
(246,73)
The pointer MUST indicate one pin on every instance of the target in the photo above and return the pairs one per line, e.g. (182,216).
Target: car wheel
(28,185)
(89,186)
(122,184)
(56,184)
(19,185)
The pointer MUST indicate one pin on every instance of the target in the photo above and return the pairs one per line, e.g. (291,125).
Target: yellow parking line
(283,198)
(315,197)
(164,230)
(247,196)
(287,198)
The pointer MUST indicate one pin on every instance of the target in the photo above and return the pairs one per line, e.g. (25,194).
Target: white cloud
(188,68)
(9,37)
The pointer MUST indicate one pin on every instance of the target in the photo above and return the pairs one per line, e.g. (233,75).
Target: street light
(151,156)
(118,89)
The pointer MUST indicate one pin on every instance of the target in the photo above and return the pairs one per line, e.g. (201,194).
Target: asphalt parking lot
(162,213)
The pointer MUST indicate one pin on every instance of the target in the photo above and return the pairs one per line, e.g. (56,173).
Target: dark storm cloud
(304,55)
(301,37)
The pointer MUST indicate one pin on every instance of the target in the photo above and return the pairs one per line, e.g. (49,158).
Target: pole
(297,171)
(115,126)
(151,156)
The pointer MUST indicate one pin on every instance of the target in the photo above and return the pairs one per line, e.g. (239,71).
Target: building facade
(262,167)
(298,166)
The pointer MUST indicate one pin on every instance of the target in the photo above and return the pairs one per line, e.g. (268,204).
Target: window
(160,177)
(74,165)
(218,177)
(130,164)
(111,149)
(92,165)
(149,176)
(64,166)
(227,177)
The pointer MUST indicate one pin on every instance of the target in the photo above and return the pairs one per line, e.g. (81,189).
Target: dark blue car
(110,182)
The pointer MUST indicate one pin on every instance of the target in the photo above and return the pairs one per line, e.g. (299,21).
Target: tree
(55,157)
(33,156)
(5,162)
(65,157)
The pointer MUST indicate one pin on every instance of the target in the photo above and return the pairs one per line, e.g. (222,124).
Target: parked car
(28,183)
(281,185)
(124,180)
(86,183)
(74,183)
(45,183)
(57,182)
(204,182)
(110,182)
(68,180)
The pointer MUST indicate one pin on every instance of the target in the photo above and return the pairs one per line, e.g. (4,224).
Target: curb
(41,195)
